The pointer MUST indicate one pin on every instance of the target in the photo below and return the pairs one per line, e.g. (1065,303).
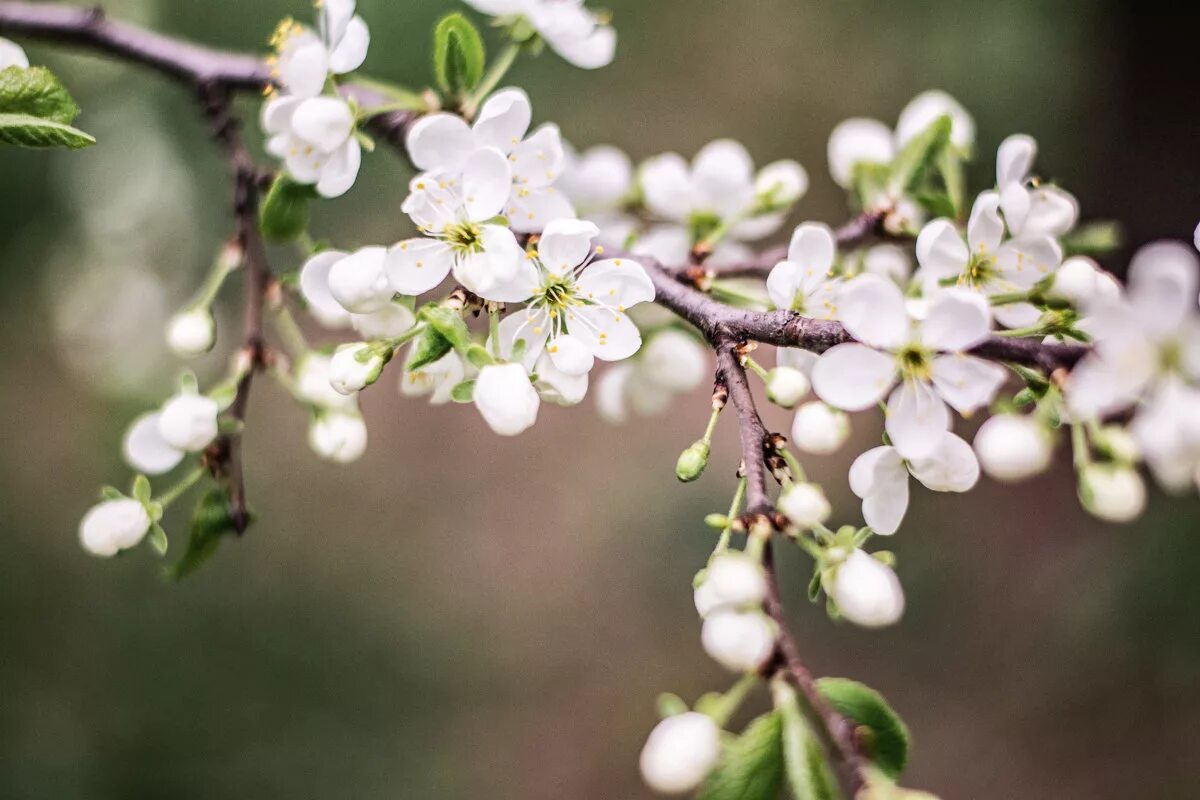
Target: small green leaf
(210,521)
(804,760)
(937,204)
(751,766)
(458,55)
(886,735)
(448,323)
(141,490)
(429,347)
(518,350)
(158,539)
(37,92)
(24,130)
(110,493)
(284,213)
(923,150)
(1093,239)
(950,167)
(463,392)
(479,357)
(670,705)
(869,182)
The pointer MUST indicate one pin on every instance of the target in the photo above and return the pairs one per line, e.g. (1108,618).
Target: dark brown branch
(753,433)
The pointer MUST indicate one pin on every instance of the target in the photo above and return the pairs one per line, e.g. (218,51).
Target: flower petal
(440,142)
(666,185)
(592,51)
(950,467)
(723,178)
(941,250)
(958,319)
(314,286)
(415,266)
(813,249)
(487,181)
(617,282)
(1024,261)
(341,170)
(324,122)
(916,419)
(878,476)
(530,210)
(1014,159)
(965,382)
(538,161)
(351,49)
(853,377)
(873,310)
(565,244)
(503,120)
(985,229)
(858,141)
(608,333)
(571,355)
(146,450)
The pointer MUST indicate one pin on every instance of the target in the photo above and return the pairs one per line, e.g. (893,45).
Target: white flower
(444,146)
(804,282)
(985,260)
(354,367)
(732,580)
(189,421)
(1166,432)
(580,36)
(436,380)
(888,261)
(312,384)
(1111,492)
(671,362)
(576,309)
(1029,208)
(338,436)
(385,323)
(12,55)
(112,526)
(867,591)
(880,477)
(506,399)
(1079,281)
(805,505)
(680,753)
(315,138)
(357,282)
(786,386)
(305,58)
(858,141)
(1011,447)
(740,641)
(557,386)
(926,355)
(819,429)
(924,109)
(596,181)
(191,333)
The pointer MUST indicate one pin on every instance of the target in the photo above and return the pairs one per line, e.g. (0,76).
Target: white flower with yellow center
(1030,208)
(305,57)
(315,138)
(927,357)
(580,36)
(804,282)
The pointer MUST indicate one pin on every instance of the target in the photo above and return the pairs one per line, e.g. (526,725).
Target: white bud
(354,367)
(506,398)
(386,323)
(680,753)
(338,436)
(1118,443)
(359,283)
(805,505)
(867,592)
(191,333)
(113,525)
(740,641)
(1011,447)
(1076,281)
(786,386)
(312,384)
(858,141)
(11,55)
(733,580)
(819,429)
(1112,493)
(781,182)
(705,599)
(925,108)
(674,360)
(189,421)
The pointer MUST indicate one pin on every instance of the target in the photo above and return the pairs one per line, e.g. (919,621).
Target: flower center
(701,224)
(914,361)
(464,237)
(555,296)
(981,269)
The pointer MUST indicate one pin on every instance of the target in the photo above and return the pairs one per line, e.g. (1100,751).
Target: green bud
(692,462)
(284,213)
(718,521)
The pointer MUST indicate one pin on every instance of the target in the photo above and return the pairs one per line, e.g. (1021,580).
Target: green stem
(793,464)
(408,335)
(738,496)
(289,331)
(732,700)
(1032,330)
(494,329)
(187,482)
(404,99)
(756,368)
(722,291)
(213,282)
(1008,298)
(1079,446)
(496,72)
(712,425)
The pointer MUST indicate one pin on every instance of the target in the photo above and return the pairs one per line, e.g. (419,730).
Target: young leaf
(479,357)
(1098,238)
(284,213)
(37,92)
(887,735)
(110,493)
(804,760)
(458,55)
(463,392)
(913,162)
(210,521)
(428,348)
(24,130)
(141,489)
(158,539)
(751,767)
(449,324)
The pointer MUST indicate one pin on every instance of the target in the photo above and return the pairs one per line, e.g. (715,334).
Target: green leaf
(158,539)
(803,757)
(1093,239)
(670,705)
(284,213)
(448,323)
(24,130)
(210,521)
(937,204)
(428,348)
(37,92)
(869,181)
(751,766)
(479,357)
(110,493)
(886,736)
(950,167)
(923,150)
(458,55)
(141,489)
(463,392)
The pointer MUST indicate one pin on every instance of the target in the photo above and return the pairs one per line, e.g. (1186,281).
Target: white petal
(1015,201)
(617,282)
(386,323)
(1014,159)
(592,51)
(598,179)
(985,229)
(853,377)
(359,281)
(1052,212)
(666,184)
(958,319)
(723,178)
(276,114)
(146,450)
(873,310)
(565,243)
(784,182)
(517,285)
(878,476)
(538,161)
(314,286)
(783,285)
(858,141)
(666,244)
(324,122)
(415,266)
(530,210)
(916,419)
(796,358)
(924,109)
(813,249)
(941,250)
(1024,261)
(487,181)
(341,170)
(304,65)
(950,467)
(503,120)
(12,55)
(351,50)
(440,142)
(1163,278)
(557,386)
(965,382)
(609,334)
(571,355)
(528,325)
(333,19)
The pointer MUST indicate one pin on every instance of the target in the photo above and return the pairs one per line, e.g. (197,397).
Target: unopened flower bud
(867,592)
(1113,493)
(355,367)
(359,283)
(786,386)
(740,641)
(780,184)
(1118,444)
(506,399)
(112,526)
(189,422)
(692,461)
(1075,281)
(819,429)
(1011,448)
(12,55)
(312,384)
(191,333)
(805,505)
(680,753)
(674,360)
(733,580)
(338,436)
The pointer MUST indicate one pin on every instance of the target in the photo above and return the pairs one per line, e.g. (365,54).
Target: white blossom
(188,421)
(924,109)
(355,366)
(805,505)
(858,141)
(506,399)
(732,580)
(880,477)
(313,385)
(1112,492)
(338,436)
(819,429)
(358,282)
(1030,208)
(1080,282)
(12,55)
(191,332)
(804,281)
(740,641)
(305,58)
(580,36)
(113,525)
(926,356)
(867,591)
(786,386)
(315,138)
(671,362)
(596,181)
(680,753)
(1012,447)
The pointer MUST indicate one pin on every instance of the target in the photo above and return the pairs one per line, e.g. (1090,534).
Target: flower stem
(494,329)
(1079,446)
(756,368)
(738,496)
(289,331)
(408,335)
(496,72)
(176,491)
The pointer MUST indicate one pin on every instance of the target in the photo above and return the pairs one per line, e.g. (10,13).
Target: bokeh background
(460,615)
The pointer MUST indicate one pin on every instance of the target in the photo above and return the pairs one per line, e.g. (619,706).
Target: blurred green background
(460,615)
